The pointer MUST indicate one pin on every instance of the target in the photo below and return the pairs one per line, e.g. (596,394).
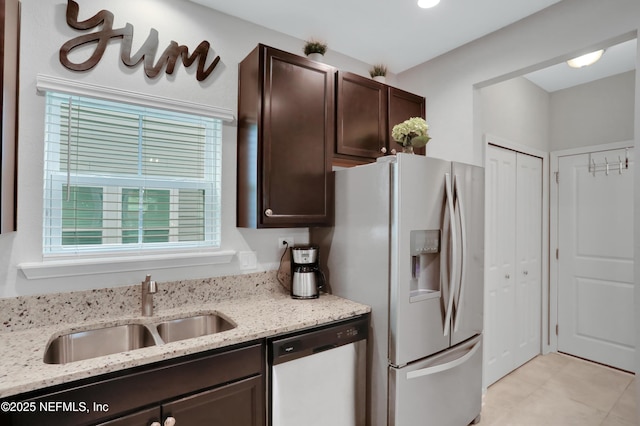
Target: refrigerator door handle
(463,236)
(446,366)
(453,237)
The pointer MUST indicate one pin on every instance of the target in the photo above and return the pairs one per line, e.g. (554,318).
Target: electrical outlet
(289,240)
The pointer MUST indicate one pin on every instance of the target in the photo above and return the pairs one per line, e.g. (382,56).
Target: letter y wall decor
(146,54)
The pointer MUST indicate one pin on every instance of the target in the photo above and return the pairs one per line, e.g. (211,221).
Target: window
(122,177)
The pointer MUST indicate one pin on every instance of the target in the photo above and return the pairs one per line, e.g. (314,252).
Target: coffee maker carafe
(306,277)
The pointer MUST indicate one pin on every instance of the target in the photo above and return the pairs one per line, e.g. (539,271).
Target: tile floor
(559,390)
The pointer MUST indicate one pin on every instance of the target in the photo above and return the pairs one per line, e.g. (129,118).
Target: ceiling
(615,60)
(398,33)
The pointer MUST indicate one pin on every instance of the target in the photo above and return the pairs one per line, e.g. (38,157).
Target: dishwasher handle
(324,348)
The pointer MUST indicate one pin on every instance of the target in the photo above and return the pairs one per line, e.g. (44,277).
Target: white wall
(44,30)
(557,33)
(595,113)
(516,110)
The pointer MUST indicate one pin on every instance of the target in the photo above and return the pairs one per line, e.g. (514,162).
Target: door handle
(454,252)
(446,366)
(463,254)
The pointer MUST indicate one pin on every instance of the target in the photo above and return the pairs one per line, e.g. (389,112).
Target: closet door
(513,286)
(528,279)
(500,230)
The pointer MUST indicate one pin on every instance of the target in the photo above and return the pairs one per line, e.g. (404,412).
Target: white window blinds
(121,177)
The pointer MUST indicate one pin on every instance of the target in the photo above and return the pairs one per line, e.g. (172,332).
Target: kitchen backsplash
(25,312)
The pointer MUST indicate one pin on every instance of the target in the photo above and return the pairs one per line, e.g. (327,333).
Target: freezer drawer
(443,390)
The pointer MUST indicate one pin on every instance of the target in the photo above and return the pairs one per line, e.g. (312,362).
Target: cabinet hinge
(557,177)
(557,329)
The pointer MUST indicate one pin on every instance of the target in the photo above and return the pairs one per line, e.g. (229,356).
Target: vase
(318,57)
(380,78)
(407,149)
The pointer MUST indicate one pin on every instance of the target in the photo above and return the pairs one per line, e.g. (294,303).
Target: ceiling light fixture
(585,60)
(426,4)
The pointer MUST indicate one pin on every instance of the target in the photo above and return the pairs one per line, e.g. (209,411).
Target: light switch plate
(248,260)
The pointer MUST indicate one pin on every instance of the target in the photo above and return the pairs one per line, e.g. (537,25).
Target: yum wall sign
(146,54)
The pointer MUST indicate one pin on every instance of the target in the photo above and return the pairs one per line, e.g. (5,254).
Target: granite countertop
(254,302)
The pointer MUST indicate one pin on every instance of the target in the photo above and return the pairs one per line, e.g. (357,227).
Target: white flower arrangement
(412,132)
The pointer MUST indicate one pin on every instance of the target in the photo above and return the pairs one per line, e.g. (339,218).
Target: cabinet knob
(393,151)
(526,272)
(169,421)
(383,150)
(507,276)
(268,212)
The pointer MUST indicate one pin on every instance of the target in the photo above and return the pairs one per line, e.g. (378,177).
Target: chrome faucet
(149,288)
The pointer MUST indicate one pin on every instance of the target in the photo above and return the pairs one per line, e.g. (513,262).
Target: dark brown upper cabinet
(402,106)
(286,134)
(9,40)
(366,113)
(361,124)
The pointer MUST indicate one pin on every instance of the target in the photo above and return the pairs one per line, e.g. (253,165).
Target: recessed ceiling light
(585,60)
(426,4)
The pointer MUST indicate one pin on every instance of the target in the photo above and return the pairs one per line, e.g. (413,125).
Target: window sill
(109,265)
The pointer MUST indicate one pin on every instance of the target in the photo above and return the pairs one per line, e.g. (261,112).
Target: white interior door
(595,263)
(513,286)
(528,258)
(500,227)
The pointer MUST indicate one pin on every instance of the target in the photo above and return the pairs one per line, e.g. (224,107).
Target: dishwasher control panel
(293,346)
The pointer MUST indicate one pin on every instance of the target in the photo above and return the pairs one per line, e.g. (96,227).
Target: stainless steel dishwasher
(318,377)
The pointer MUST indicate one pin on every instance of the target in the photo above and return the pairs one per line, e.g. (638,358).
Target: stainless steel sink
(97,342)
(110,340)
(196,326)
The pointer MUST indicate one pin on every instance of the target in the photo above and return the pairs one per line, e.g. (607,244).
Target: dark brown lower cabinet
(231,405)
(221,387)
(144,417)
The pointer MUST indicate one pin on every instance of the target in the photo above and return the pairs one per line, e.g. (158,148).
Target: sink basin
(101,341)
(97,342)
(196,326)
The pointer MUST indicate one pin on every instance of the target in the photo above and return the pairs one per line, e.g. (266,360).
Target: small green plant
(314,46)
(378,70)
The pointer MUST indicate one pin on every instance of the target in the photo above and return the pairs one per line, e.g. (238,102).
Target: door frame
(545,335)
(553,225)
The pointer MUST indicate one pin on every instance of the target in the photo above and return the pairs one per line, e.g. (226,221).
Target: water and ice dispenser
(425,264)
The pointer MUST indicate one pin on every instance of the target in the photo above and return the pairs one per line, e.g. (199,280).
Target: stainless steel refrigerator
(409,241)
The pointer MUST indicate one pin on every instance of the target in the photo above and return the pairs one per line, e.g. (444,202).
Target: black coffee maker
(306,277)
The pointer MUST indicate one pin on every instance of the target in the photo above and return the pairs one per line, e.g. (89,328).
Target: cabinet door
(297,136)
(141,418)
(361,122)
(237,404)
(402,106)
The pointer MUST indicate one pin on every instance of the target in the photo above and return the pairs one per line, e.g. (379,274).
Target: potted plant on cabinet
(379,73)
(411,133)
(315,50)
